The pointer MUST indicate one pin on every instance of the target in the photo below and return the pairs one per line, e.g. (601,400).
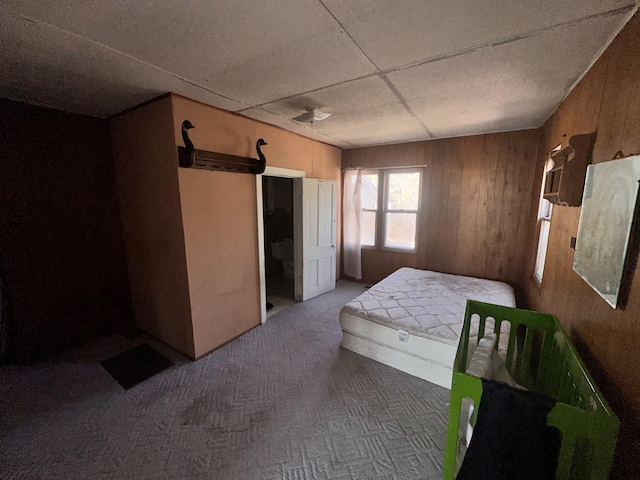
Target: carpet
(283,401)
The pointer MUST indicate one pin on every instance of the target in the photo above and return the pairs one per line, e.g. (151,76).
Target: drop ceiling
(388,71)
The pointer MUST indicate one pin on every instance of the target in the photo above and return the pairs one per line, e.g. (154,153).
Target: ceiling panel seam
(392,87)
(107,47)
(404,103)
(349,35)
(522,36)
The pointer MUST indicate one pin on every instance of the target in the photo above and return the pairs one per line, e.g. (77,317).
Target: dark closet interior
(277,196)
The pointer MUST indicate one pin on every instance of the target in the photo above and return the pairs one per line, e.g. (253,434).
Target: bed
(412,320)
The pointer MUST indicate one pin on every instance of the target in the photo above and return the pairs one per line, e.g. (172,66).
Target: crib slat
(496,330)
(555,376)
(561,373)
(511,348)
(545,368)
(525,367)
(558,374)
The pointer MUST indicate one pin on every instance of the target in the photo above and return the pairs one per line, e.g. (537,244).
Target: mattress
(427,304)
(412,320)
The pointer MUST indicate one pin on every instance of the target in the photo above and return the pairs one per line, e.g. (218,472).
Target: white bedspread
(425,303)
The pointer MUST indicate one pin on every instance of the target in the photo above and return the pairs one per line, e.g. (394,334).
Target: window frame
(382,210)
(543,224)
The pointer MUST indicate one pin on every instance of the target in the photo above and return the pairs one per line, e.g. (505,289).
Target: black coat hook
(191,151)
(262,161)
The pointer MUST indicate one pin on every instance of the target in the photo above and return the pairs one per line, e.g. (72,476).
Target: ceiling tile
(46,66)
(511,86)
(394,33)
(253,52)
(364,112)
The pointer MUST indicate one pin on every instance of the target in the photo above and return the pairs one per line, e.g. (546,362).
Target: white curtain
(351,219)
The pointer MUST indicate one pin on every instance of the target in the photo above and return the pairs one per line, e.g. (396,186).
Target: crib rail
(540,357)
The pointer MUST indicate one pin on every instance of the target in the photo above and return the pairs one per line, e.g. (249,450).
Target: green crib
(540,357)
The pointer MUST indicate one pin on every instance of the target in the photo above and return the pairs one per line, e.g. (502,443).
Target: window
(369,205)
(545,209)
(392,222)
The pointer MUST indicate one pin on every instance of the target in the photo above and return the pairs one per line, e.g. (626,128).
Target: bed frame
(418,356)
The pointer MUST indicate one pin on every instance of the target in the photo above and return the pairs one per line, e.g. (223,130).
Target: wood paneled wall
(377,264)
(607,100)
(475,204)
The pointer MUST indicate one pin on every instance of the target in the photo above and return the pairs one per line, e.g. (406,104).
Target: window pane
(403,191)
(368,229)
(369,192)
(542,248)
(400,231)
(545,208)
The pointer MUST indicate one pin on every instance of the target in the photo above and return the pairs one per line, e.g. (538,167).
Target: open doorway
(314,219)
(295,176)
(279,251)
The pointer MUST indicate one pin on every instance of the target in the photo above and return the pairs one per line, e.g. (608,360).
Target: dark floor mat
(135,365)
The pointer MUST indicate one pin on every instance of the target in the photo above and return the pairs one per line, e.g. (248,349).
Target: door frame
(297,230)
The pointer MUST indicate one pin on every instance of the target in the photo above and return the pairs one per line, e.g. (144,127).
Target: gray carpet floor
(283,401)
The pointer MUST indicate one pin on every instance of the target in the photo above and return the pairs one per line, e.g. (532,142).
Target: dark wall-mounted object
(565,181)
(190,157)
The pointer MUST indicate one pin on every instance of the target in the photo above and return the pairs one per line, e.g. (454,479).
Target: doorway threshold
(279,304)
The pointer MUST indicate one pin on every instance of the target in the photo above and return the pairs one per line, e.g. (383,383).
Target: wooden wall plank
(527,147)
(483,233)
(423,230)
(495,149)
(469,185)
(508,216)
(456,161)
(443,199)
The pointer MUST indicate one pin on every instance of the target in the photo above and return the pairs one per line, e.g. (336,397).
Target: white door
(319,215)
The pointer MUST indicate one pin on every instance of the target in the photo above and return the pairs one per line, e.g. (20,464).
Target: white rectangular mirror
(606,219)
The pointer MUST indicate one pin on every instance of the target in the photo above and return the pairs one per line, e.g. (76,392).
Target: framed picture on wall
(606,242)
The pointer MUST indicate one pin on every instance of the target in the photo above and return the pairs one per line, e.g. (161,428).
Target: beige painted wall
(220,220)
(148,190)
